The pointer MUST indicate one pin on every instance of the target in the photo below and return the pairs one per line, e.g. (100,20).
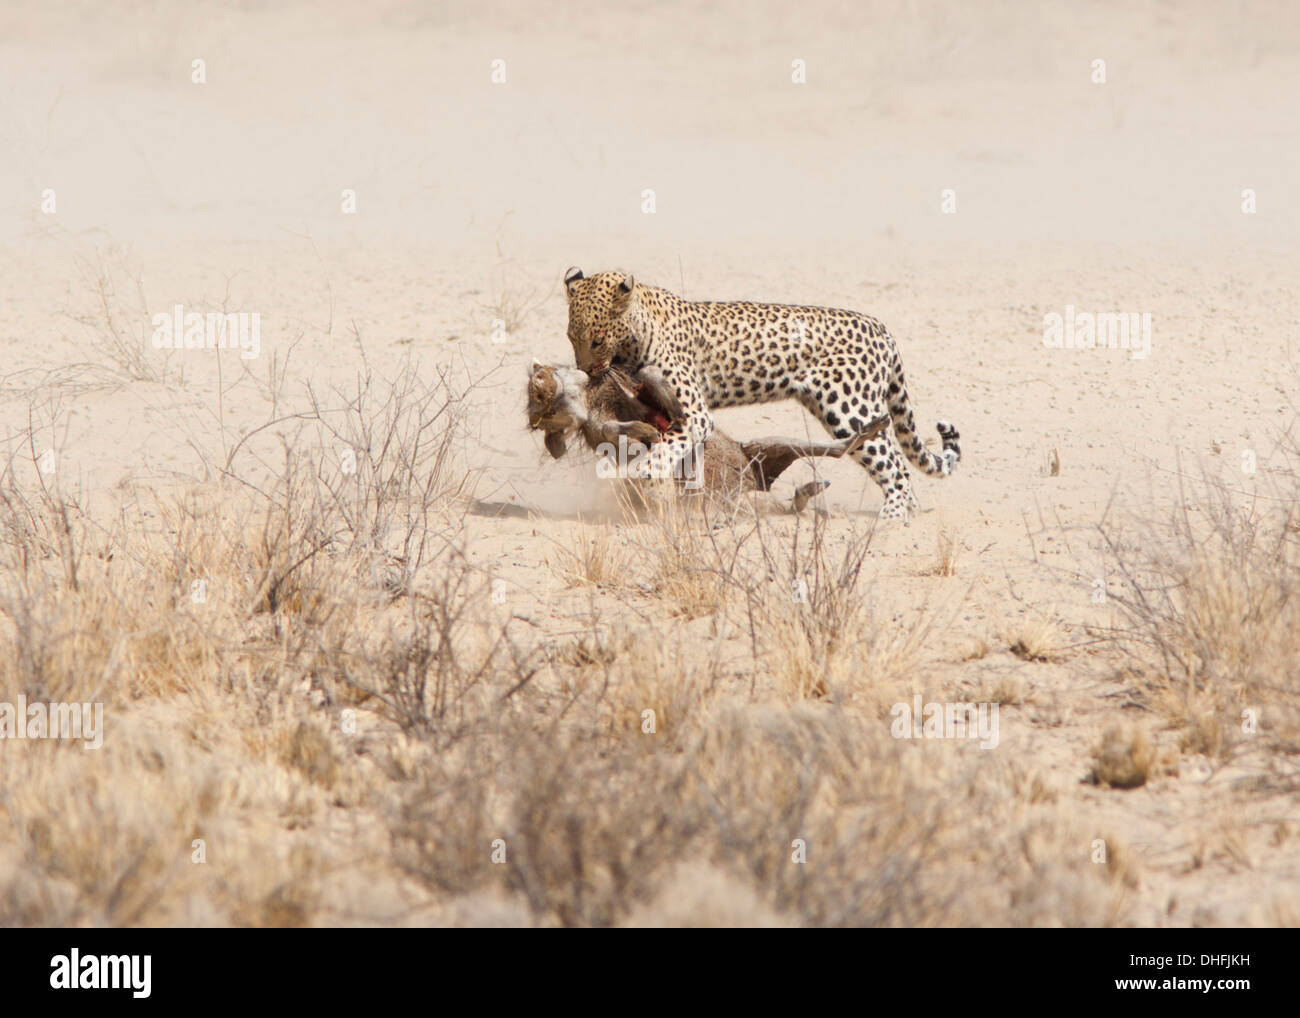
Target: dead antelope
(564,402)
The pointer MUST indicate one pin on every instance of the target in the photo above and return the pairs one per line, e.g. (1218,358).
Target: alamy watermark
(84,721)
(213,330)
(1105,330)
(921,720)
(635,460)
(75,971)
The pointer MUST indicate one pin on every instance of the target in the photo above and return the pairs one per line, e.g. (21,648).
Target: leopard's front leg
(677,455)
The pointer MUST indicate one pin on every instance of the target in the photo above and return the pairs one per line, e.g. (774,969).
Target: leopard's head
(599,317)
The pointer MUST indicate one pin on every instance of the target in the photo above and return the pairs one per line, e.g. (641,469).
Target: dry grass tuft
(597,557)
(948,550)
(1035,638)
(1124,757)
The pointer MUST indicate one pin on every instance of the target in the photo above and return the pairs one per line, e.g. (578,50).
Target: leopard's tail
(900,409)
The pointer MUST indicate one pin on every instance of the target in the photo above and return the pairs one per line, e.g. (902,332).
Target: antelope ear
(570,380)
(555,443)
(617,377)
(570,277)
(532,370)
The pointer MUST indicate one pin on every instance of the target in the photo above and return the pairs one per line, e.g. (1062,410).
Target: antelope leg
(770,457)
(658,389)
(636,431)
(806,493)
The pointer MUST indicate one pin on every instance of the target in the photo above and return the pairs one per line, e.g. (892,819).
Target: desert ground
(367,655)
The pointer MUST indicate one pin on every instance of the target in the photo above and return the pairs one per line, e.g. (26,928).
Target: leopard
(640,408)
(843,366)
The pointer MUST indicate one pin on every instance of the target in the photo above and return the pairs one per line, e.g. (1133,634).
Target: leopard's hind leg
(844,414)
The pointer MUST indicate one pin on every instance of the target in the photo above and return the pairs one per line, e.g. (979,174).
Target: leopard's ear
(625,294)
(573,275)
(532,368)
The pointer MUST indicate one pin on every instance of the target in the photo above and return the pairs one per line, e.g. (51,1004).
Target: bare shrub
(448,661)
(511,303)
(816,622)
(118,326)
(402,436)
(806,813)
(1212,609)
